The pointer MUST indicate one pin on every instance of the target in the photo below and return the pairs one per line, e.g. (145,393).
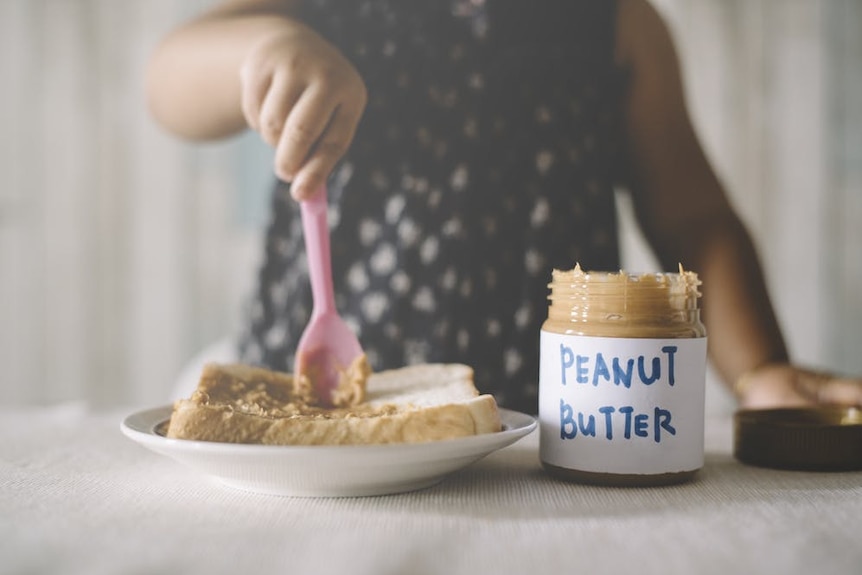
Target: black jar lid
(823,438)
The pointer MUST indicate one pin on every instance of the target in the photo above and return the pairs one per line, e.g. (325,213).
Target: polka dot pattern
(485,159)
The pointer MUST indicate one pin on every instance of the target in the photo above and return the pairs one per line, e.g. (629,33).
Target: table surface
(76,496)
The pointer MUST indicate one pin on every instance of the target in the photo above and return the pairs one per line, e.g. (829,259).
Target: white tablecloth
(76,496)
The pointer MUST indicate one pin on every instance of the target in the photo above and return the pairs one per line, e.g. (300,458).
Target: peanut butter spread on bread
(236,403)
(264,393)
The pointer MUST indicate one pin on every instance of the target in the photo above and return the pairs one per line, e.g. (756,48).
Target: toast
(237,403)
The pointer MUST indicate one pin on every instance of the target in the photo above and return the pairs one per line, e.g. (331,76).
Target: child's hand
(305,99)
(784,385)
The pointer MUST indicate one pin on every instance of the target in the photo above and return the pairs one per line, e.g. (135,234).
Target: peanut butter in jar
(622,378)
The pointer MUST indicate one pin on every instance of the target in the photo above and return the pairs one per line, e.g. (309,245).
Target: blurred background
(123,251)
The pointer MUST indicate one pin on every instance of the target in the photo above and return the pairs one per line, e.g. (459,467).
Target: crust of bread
(242,404)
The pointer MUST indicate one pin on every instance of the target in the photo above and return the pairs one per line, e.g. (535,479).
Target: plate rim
(522,424)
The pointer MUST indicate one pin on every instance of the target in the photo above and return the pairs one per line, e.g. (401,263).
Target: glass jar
(622,378)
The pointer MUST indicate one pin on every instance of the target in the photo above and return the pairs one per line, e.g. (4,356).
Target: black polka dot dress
(485,158)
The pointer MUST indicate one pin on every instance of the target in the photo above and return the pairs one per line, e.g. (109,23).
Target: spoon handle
(315,228)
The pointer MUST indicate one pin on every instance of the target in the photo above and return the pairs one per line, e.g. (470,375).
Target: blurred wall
(124,251)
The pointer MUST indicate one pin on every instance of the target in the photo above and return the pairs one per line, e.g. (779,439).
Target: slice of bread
(241,404)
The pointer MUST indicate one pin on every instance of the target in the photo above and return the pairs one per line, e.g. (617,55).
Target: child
(473,145)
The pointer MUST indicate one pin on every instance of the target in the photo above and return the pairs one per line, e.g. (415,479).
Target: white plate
(325,471)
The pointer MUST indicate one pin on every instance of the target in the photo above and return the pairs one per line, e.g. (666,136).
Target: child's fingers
(282,96)
(326,153)
(783,385)
(310,178)
(830,389)
(305,124)
(255,85)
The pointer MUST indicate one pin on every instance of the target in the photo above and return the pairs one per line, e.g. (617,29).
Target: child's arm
(250,63)
(684,213)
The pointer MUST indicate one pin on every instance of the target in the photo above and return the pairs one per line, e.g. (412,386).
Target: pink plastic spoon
(328,347)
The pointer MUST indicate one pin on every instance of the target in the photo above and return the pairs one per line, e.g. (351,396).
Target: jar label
(620,405)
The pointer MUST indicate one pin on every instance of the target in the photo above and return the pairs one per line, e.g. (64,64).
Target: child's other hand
(784,385)
(305,99)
